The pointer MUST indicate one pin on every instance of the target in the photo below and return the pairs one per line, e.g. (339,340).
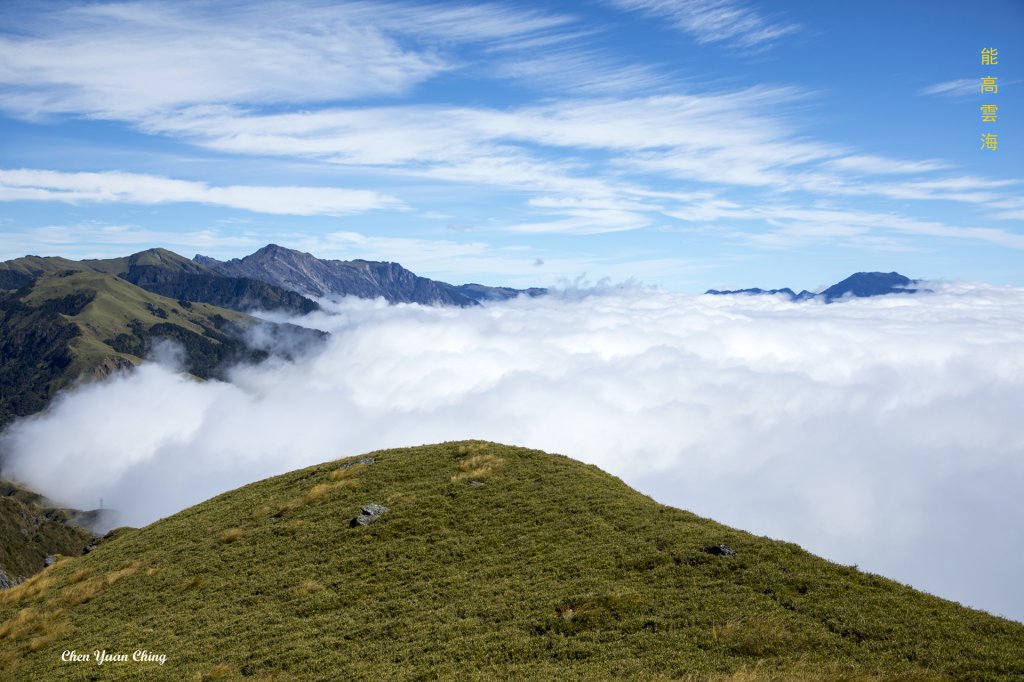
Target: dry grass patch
(73,595)
(755,636)
(316,492)
(261,513)
(124,572)
(194,582)
(80,575)
(32,629)
(231,535)
(306,588)
(346,472)
(477,467)
(32,588)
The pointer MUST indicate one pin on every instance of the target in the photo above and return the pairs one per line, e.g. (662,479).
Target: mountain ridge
(308,275)
(857,285)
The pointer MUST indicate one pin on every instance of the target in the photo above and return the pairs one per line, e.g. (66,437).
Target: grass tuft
(755,636)
(477,467)
(306,588)
(231,535)
(342,473)
(316,492)
(80,575)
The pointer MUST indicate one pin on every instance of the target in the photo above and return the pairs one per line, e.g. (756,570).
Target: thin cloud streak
(135,188)
(126,60)
(714,21)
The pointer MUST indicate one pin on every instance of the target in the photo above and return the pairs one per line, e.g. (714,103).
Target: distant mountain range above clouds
(308,275)
(857,285)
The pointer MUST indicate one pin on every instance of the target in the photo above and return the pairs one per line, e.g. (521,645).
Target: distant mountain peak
(857,285)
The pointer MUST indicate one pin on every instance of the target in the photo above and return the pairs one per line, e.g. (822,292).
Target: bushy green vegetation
(492,562)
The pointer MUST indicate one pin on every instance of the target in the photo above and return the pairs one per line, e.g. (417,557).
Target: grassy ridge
(65,325)
(493,563)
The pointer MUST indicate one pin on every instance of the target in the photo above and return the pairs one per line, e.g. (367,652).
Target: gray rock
(368,515)
(364,460)
(7,581)
(49,561)
(719,550)
(476,484)
(88,548)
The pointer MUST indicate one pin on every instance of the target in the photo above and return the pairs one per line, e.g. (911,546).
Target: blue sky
(684,143)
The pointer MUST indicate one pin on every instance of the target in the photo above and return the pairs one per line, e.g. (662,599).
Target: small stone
(49,561)
(719,550)
(88,548)
(368,515)
(476,484)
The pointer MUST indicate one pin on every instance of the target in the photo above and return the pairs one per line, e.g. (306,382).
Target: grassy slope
(550,570)
(45,349)
(29,533)
(117,304)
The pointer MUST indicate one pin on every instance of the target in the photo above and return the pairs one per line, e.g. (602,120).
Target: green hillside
(31,530)
(68,324)
(492,562)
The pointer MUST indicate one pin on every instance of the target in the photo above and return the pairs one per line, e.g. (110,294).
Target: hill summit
(474,560)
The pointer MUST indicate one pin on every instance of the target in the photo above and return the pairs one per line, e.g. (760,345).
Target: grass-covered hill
(491,562)
(63,325)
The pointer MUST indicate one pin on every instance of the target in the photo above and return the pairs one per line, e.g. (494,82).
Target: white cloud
(955,88)
(135,188)
(715,21)
(869,164)
(121,60)
(124,60)
(790,225)
(881,432)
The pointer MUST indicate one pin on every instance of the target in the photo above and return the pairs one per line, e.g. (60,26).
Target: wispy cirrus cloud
(123,60)
(715,21)
(135,188)
(960,87)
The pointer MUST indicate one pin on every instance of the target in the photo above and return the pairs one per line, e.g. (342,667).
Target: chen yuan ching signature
(101,657)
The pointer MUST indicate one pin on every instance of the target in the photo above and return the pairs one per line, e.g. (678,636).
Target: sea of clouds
(884,432)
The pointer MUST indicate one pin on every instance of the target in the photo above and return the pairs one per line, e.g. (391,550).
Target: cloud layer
(881,432)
